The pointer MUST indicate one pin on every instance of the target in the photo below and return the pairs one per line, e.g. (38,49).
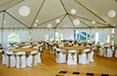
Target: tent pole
(2,28)
(90,35)
(110,36)
(54,34)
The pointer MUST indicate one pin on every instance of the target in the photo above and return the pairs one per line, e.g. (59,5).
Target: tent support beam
(11,6)
(50,20)
(87,19)
(6,3)
(61,28)
(67,12)
(38,12)
(60,21)
(82,22)
(91,12)
(90,36)
(71,21)
(2,27)
(16,19)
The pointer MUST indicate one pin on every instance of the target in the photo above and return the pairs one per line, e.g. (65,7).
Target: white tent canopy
(43,12)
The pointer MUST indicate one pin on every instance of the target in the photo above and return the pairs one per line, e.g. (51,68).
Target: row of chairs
(84,58)
(20,59)
(106,52)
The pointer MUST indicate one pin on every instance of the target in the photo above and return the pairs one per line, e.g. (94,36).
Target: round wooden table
(73,48)
(20,45)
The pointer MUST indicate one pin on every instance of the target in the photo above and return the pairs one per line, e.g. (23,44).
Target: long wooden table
(23,50)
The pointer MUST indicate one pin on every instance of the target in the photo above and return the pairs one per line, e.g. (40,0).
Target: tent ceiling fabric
(47,11)
(1,18)
(5,4)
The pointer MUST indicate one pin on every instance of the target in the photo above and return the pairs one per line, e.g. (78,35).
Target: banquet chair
(72,57)
(41,49)
(26,46)
(46,46)
(60,57)
(60,45)
(90,56)
(31,60)
(11,47)
(38,58)
(4,58)
(10,59)
(20,60)
(101,51)
(108,53)
(36,47)
(115,53)
(54,48)
(27,43)
(84,57)
(0,56)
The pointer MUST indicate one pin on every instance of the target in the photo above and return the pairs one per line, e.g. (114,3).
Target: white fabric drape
(23,34)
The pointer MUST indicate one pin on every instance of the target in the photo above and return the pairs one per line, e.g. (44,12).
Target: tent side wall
(39,34)
(67,33)
(115,36)
(23,34)
(0,36)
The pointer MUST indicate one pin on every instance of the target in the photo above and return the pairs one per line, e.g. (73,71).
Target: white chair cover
(60,57)
(23,60)
(12,59)
(86,50)
(4,59)
(27,43)
(72,59)
(101,51)
(10,48)
(53,49)
(36,47)
(115,53)
(30,59)
(46,46)
(61,45)
(38,58)
(109,53)
(88,46)
(83,59)
(26,46)
(90,56)
(76,45)
(39,45)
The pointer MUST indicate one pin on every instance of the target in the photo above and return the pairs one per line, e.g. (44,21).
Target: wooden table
(73,48)
(20,45)
(22,50)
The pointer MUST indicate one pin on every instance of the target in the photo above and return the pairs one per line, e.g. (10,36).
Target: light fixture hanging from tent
(24,11)
(73,11)
(76,22)
(112,13)
(37,21)
(4,22)
(35,25)
(93,22)
(57,20)
(49,25)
